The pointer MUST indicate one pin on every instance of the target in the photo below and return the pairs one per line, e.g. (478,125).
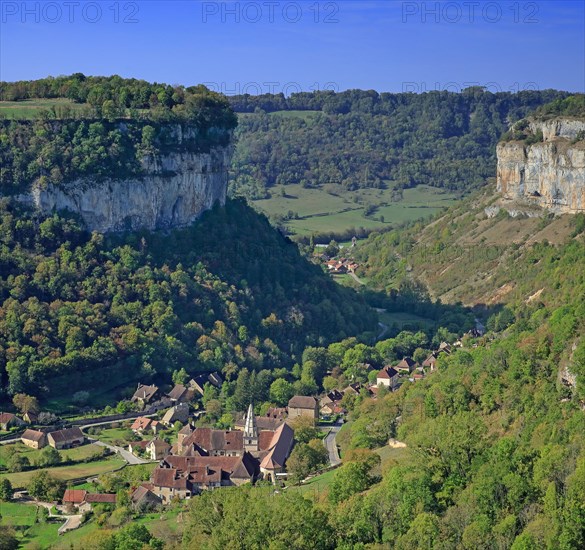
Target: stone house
(178,413)
(388,377)
(67,438)
(9,420)
(158,449)
(301,405)
(34,439)
(145,394)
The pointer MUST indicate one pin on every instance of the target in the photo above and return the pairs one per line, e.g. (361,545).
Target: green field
(39,535)
(315,487)
(113,435)
(66,473)
(77,454)
(393,455)
(168,525)
(334,209)
(29,108)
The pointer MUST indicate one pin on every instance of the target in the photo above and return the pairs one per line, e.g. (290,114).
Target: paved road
(331,445)
(72,522)
(356,278)
(125,454)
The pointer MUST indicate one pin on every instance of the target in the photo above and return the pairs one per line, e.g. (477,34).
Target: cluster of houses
(150,396)
(58,439)
(207,458)
(390,376)
(341,265)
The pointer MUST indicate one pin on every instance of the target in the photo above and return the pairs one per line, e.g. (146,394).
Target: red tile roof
(280,447)
(101,498)
(264,439)
(216,440)
(168,477)
(178,471)
(74,496)
(141,423)
(387,373)
(6,417)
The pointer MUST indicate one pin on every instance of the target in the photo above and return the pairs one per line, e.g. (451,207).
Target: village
(183,457)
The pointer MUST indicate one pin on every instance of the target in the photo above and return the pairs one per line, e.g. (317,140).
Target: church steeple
(250,431)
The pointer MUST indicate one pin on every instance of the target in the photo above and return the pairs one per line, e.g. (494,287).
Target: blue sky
(301,45)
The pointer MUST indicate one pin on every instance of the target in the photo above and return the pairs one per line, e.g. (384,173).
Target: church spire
(250,431)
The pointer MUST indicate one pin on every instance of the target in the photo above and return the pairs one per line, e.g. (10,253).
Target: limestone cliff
(173,190)
(549,173)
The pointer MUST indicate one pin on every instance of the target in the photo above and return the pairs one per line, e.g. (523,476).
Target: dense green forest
(121,122)
(367,139)
(226,293)
(573,106)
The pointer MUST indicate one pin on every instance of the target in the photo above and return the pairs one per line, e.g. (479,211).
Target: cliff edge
(547,169)
(173,190)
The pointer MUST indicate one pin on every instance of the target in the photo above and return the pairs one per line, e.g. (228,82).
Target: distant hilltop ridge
(541,160)
(123,154)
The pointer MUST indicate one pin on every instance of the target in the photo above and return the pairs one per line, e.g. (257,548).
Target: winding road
(126,455)
(331,444)
(72,521)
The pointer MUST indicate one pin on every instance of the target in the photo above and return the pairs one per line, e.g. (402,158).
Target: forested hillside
(226,293)
(367,139)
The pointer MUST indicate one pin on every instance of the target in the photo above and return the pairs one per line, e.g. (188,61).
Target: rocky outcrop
(550,173)
(173,191)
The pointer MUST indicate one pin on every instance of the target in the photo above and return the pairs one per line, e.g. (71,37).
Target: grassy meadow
(67,473)
(336,209)
(35,535)
(77,454)
(30,108)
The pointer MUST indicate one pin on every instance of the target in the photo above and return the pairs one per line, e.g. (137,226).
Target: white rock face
(550,174)
(175,190)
